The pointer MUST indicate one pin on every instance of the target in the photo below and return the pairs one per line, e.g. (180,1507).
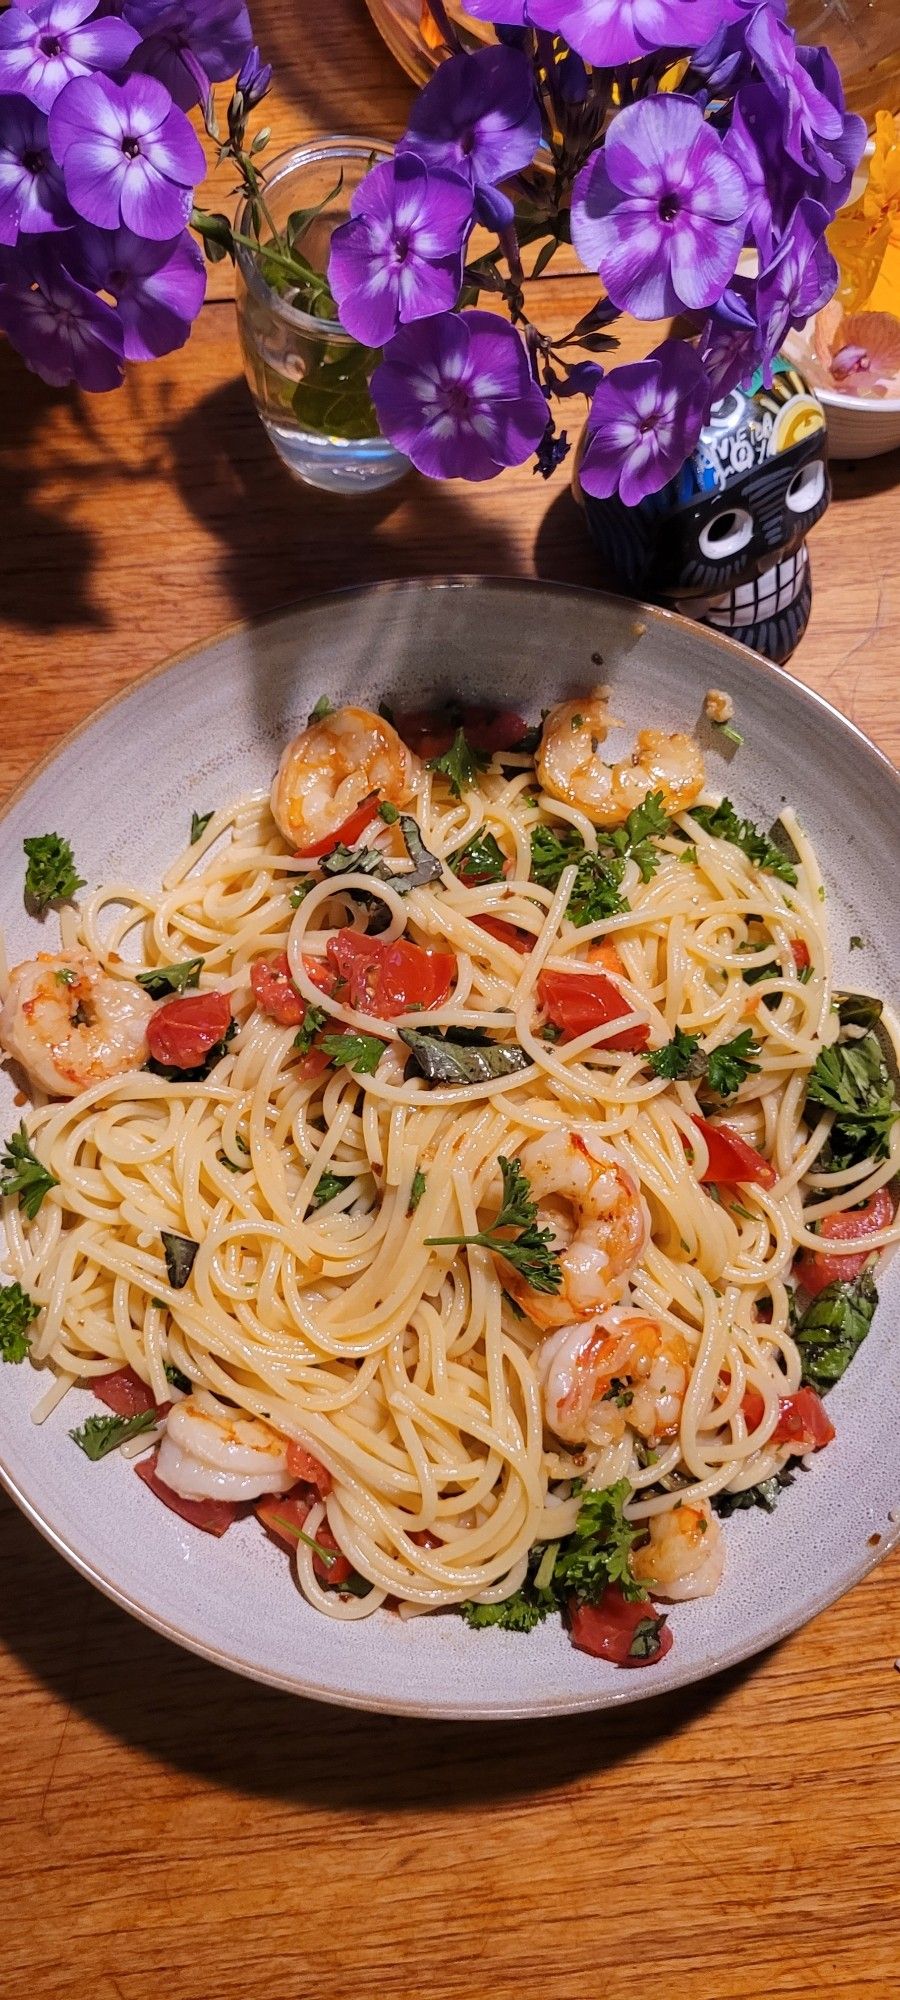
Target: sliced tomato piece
(303,1464)
(505,933)
(731,1161)
(314,1063)
(603,952)
(800,954)
(429,732)
(125,1393)
(814,1269)
(214,1516)
(275,992)
(803,1421)
(338,1572)
(183,1031)
(576,1002)
(348,831)
(284,1514)
(753,1405)
(609,1630)
(388,979)
(424,1539)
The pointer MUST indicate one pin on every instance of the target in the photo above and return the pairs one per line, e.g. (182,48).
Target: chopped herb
(833,1327)
(51,875)
(301,889)
(645,1639)
(645,822)
(858,1010)
(764,1494)
(99,1435)
(681,1057)
(23,1174)
(178,1381)
(577,722)
(314,1020)
(645,1457)
(689,857)
(804,974)
(595,890)
(180,1252)
(857,943)
(417,1190)
(725,824)
(426,866)
(327,1186)
(460,764)
(361,1053)
(388,812)
(530,1252)
(731,734)
(597,1553)
(322,708)
(820,892)
(519,1613)
(199,824)
(66,977)
(851,1079)
(481,860)
(234,1166)
(552,851)
(17,1311)
(203,1069)
(160,1305)
(171,978)
(344,860)
(449,1059)
(728,1066)
(550,1032)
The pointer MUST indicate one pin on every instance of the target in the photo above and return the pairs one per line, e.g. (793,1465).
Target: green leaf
(17,1311)
(531,1252)
(766,1494)
(553,850)
(727,1067)
(595,890)
(301,889)
(426,866)
(299,220)
(681,1057)
(833,1327)
(858,1010)
(388,812)
(322,708)
(199,824)
(178,1381)
(481,860)
(688,856)
(327,1186)
(419,1184)
(99,1435)
(314,1020)
(725,824)
(21,1173)
(645,1639)
(179,1252)
(171,978)
(361,1053)
(851,1079)
(51,876)
(460,764)
(519,1613)
(444,1059)
(598,1552)
(647,822)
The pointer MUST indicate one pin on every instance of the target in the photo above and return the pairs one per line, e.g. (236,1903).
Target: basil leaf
(180,1252)
(858,1010)
(199,824)
(443,1061)
(426,866)
(171,978)
(833,1328)
(765,1494)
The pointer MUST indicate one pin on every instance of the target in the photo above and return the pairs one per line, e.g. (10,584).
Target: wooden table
(174,1831)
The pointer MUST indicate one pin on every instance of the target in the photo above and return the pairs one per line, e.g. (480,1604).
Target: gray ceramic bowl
(211,726)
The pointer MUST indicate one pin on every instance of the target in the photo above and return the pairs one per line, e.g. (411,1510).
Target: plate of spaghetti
(452,1131)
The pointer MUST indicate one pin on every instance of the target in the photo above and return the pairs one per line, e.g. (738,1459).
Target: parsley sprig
(724,1069)
(99,1435)
(162,979)
(17,1311)
(361,1053)
(51,875)
(529,1252)
(579,1568)
(22,1173)
(726,824)
(460,764)
(313,1022)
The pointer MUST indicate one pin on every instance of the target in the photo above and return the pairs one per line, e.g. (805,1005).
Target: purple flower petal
(62,331)
(127,154)
(400,256)
(609,32)
(32,195)
(644,421)
(478,115)
(44,45)
(158,287)
(456,394)
(178,36)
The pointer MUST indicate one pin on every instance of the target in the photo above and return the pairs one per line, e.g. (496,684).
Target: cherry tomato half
(521,941)
(731,1161)
(607,1629)
(275,992)
(386,979)
(125,1393)
(803,1422)
(183,1031)
(576,1002)
(814,1269)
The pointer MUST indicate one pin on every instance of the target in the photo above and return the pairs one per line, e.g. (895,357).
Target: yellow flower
(865,237)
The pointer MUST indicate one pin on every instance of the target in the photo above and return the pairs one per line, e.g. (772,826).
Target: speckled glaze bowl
(211,726)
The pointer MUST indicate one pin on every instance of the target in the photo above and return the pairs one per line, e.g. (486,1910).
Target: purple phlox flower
(63,332)
(838,158)
(158,287)
(748,324)
(457,395)
(254,80)
(661,212)
(127,154)
(45,43)
(608,32)
(480,117)
(400,257)
(32,195)
(553,448)
(774,182)
(806,87)
(188,43)
(644,421)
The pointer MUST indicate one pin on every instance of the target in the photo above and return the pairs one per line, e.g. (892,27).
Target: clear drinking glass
(310,379)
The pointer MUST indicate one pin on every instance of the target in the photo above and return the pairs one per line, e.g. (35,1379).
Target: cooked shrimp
(570,768)
(214,1453)
(70,1024)
(598,1217)
(334,765)
(685,1556)
(579,1365)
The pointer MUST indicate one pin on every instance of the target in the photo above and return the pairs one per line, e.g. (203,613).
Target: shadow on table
(133,1687)
(856,479)
(282,541)
(47,560)
(328,89)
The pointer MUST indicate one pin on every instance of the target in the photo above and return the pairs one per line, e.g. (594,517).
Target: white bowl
(858,426)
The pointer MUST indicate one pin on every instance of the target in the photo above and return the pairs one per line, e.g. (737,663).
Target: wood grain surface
(170,1830)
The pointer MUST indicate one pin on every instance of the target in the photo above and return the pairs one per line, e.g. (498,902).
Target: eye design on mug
(806,487)
(729,531)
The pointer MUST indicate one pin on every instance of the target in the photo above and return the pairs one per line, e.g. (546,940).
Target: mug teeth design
(765,596)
